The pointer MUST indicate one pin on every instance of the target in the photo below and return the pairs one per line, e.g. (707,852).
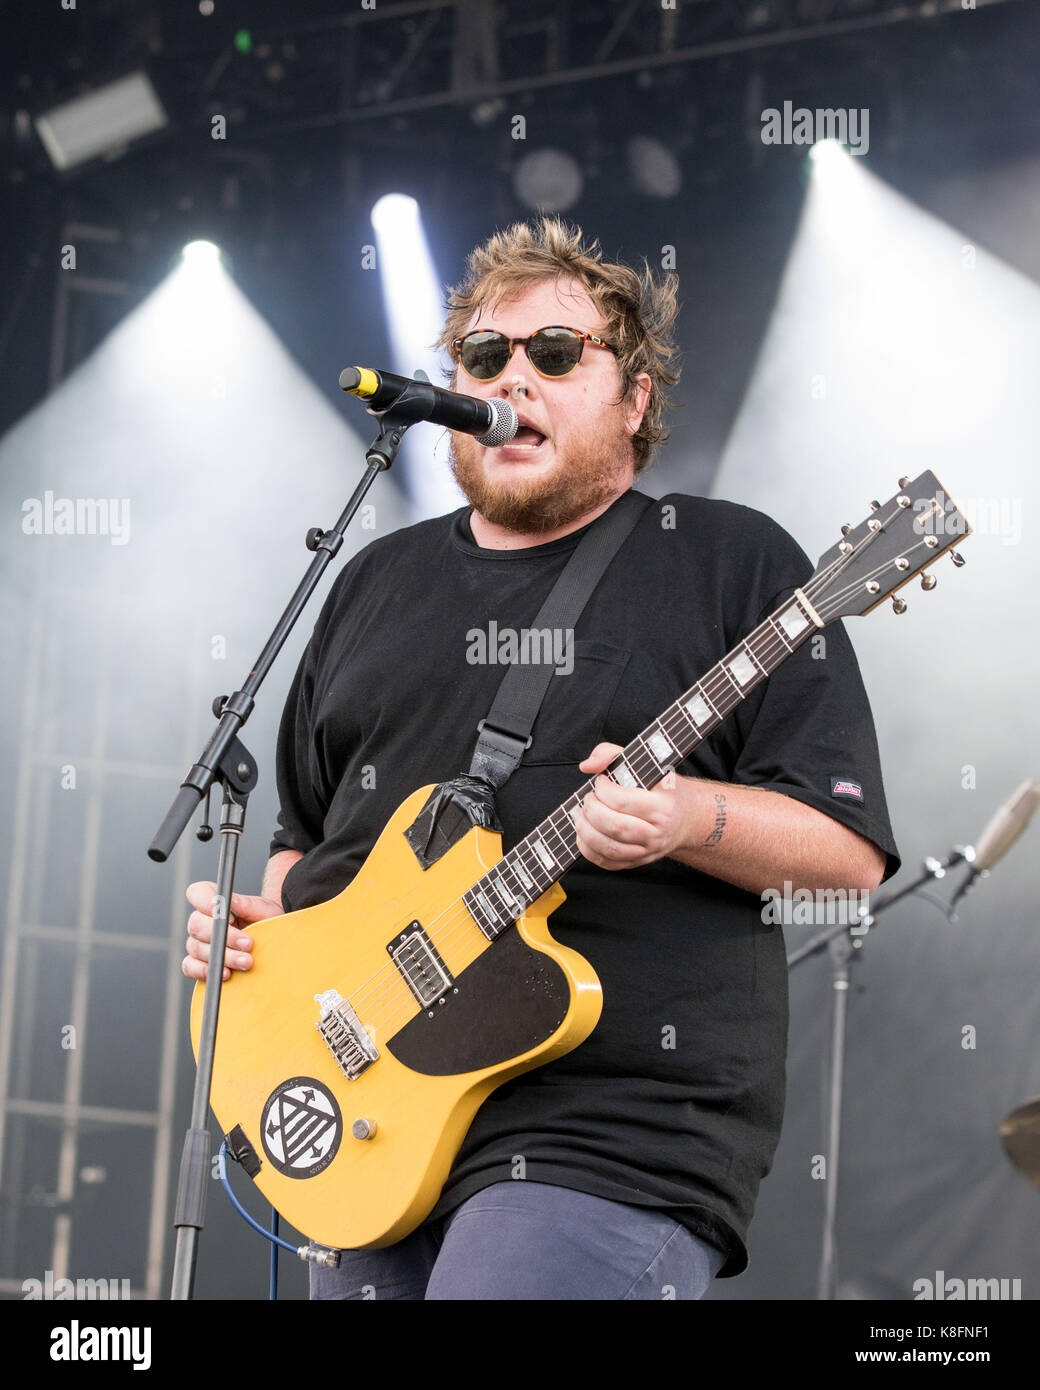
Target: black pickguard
(509,1000)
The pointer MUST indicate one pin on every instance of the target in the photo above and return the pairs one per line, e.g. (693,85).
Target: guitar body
(502,1007)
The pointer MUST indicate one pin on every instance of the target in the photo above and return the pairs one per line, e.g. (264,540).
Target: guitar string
(365,998)
(438,931)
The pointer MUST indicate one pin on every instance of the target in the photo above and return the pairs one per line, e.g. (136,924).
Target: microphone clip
(415,403)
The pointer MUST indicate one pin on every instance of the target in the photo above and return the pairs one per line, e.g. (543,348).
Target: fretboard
(544,856)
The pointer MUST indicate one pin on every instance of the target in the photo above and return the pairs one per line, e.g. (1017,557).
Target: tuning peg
(898,604)
(904,481)
(928,581)
(957,559)
(875,506)
(846,529)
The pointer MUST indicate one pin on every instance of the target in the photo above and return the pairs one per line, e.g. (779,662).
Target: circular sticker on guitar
(301,1127)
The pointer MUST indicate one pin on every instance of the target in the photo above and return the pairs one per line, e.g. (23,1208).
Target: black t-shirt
(676,1099)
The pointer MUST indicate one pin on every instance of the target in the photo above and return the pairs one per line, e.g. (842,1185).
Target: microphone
(493,422)
(1001,833)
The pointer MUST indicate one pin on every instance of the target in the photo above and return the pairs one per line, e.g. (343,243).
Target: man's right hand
(244,911)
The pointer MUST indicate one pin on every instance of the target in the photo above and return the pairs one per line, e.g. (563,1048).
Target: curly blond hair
(639,310)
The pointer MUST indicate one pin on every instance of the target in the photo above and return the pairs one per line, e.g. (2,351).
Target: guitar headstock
(901,538)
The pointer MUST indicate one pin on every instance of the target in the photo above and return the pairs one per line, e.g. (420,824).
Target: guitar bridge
(345,1036)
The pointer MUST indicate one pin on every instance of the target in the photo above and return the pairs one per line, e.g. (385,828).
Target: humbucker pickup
(420,965)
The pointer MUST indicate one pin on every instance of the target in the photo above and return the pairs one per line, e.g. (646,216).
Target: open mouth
(526,438)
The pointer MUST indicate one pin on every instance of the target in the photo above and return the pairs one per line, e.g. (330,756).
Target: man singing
(629,1168)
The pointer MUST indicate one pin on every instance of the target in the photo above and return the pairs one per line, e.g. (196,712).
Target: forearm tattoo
(720,820)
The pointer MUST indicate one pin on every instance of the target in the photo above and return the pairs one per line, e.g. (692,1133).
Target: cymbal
(1020,1135)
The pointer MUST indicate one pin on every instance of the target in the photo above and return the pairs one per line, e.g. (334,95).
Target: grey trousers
(531,1241)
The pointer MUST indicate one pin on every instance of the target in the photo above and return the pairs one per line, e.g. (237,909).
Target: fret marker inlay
(503,892)
(543,854)
(659,746)
(743,669)
(793,621)
(698,710)
(521,873)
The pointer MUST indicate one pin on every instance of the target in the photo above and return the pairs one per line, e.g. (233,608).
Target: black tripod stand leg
(841,954)
(195,1161)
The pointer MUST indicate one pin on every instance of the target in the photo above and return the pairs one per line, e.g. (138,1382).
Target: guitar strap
(504,734)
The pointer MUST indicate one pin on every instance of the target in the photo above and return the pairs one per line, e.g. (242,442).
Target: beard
(532,506)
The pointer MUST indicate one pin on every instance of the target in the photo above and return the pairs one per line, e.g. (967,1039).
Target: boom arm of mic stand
(932,868)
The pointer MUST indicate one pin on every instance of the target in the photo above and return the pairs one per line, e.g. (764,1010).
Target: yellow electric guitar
(353,1056)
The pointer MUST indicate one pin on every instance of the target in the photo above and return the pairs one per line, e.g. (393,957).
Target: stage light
(393,212)
(201,253)
(652,167)
(484,112)
(837,180)
(828,154)
(548,180)
(414,314)
(194,313)
(103,122)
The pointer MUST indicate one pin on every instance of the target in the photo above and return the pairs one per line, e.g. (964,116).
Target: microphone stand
(226,760)
(844,941)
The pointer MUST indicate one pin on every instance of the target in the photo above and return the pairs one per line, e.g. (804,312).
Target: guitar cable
(310,1254)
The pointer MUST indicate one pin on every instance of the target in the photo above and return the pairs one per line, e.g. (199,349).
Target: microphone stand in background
(226,760)
(845,940)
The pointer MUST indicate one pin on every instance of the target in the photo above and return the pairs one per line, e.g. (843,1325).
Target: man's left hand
(627,827)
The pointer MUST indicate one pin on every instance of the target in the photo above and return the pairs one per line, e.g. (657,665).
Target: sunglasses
(552,352)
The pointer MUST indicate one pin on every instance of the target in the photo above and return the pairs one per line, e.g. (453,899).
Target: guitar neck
(544,856)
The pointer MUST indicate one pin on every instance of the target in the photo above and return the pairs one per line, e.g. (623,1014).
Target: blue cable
(273,1280)
(271,1235)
